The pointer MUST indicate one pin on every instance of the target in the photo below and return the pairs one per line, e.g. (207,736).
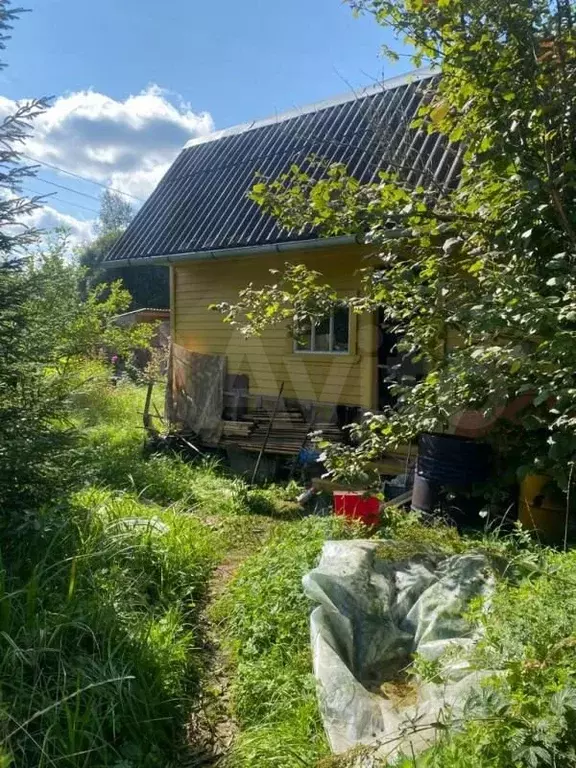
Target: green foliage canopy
(148,284)
(491,263)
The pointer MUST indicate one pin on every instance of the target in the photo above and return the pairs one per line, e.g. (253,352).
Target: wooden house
(215,240)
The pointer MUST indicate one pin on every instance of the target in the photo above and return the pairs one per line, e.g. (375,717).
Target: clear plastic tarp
(371,616)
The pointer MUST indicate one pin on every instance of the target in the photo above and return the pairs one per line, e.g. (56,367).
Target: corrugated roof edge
(385,85)
(157,310)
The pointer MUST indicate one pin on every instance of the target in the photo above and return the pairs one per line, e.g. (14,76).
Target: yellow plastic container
(538,512)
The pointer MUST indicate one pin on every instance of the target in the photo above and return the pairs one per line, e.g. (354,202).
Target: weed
(410,534)
(112,455)
(525,713)
(275,501)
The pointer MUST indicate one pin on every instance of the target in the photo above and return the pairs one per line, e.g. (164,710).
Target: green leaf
(439,112)
(541,398)
(456,134)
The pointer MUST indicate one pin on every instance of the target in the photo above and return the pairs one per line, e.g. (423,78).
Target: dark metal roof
(201,204)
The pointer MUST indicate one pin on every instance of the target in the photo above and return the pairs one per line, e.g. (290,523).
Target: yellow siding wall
(269,359)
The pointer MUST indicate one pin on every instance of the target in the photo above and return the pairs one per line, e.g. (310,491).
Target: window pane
(341,329)
(304,337)
(322,337)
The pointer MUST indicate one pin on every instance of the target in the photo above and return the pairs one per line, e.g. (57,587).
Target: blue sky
(134,78)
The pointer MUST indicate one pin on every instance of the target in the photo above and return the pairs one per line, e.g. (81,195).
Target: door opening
(392,366)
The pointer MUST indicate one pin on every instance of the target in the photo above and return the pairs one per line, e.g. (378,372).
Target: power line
(60,200)
(68,189)
(82,178)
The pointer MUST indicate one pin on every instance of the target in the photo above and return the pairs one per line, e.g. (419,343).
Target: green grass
(265,620)
(99,597)
(97,631)
(111,455)
(526,714)
(100,591)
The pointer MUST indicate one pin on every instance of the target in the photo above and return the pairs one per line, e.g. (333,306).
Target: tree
(115,213)
(47,332)
(148,285)
(44,328)
(67,328)
(23,417)
(491,264)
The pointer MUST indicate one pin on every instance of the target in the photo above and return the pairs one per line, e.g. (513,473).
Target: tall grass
(111,455)
(97,633)
(265,617)
(99,593)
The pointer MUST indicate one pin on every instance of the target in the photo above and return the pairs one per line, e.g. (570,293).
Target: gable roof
(201,204)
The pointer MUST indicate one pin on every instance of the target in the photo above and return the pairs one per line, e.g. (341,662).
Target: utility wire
(60,200)
(68,189)
(78,176)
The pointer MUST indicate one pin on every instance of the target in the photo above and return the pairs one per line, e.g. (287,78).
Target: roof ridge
(386,85)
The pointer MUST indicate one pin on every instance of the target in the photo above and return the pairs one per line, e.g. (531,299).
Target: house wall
(270,359)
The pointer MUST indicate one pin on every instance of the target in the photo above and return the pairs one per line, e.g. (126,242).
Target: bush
(526,714)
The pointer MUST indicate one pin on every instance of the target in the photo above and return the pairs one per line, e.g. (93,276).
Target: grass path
(212,727)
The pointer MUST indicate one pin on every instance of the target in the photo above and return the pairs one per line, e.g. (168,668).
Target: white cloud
(48,218)
(128,144)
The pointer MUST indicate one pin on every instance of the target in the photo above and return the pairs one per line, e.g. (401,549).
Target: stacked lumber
(237,429)
(289,433)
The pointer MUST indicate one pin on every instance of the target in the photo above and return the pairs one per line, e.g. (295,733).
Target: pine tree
(22,414)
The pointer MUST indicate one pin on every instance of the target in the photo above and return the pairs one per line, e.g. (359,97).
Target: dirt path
(211,729)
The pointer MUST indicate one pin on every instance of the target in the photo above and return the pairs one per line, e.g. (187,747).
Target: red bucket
(357,506)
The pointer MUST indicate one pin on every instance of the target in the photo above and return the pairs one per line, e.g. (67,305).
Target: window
(329,335)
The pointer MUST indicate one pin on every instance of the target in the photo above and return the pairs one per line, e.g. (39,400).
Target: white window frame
(331,351)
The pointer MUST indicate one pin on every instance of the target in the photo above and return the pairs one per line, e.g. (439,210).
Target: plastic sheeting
(195,393)
(372,615)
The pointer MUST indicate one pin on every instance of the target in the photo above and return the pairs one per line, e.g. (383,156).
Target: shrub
(530,705)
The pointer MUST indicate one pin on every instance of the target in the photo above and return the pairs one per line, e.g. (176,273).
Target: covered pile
(372,616)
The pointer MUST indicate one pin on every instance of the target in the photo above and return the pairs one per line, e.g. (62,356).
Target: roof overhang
(238,253)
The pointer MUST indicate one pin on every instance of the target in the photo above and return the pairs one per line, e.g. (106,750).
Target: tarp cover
(372,615)
(196,398)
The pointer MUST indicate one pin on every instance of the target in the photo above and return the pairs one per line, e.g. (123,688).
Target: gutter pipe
(231,253)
